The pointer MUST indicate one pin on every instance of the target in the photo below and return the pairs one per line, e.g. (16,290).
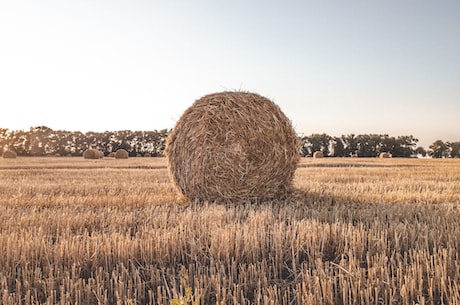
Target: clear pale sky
(336,67)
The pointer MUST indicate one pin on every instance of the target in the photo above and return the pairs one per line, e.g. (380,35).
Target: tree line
(371,145)
(44,141)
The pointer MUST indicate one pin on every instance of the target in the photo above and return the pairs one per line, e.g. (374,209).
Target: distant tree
(305,147)
(38,141)
(3,140)
(405,146)
(154,142)
(420,151)
(368,145)
(315,142)
(69,143)
(320,142)
(454,149)
(19,142)
(438,149)
(80,143)
(104,141)
(337,147)
(350,143)
(94,140)
(125,140)
(52,143)
(387,144)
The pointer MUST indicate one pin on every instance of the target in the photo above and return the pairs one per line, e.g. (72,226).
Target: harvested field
(355,231)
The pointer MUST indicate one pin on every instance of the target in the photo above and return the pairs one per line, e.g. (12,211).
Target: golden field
(354,231)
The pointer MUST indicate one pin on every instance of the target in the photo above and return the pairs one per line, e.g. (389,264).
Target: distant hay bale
(91,154)
(121,154)
(384,155)
(233,146)
(112,154)
(318,154)
(9,154)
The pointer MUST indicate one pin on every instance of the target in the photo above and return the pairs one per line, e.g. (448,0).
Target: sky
(336,67)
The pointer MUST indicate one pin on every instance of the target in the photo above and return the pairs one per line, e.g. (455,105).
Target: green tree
(368,145)
(387,144)
(320,142)
(338,147)
(405,146)
(3,140)
(305,147)
(438,149)
(79,143)
(454,149)
(350,143)
(315,142)
(38,140)
(19,142)
(420,151)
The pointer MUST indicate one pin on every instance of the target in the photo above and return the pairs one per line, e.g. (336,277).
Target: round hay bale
(318,154)
(384,155)
(91,154)
(112,154)
(233,146)
(121,154)
(9,154)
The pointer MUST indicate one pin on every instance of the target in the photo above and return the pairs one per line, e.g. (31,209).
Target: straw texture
(233,146)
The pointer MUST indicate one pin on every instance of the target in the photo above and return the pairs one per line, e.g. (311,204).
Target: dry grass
(356,231)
